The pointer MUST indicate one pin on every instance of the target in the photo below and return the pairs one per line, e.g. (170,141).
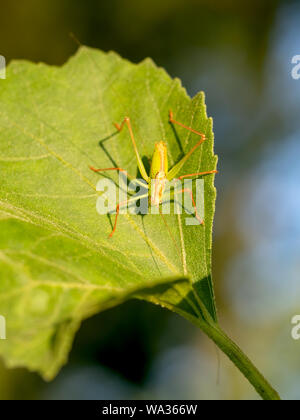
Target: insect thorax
(159,161)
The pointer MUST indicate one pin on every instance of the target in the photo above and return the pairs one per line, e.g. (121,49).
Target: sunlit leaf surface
(57,265)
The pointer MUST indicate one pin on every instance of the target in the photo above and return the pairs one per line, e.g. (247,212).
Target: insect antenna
(75,39)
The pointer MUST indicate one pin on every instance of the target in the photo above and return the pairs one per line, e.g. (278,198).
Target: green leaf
(57,265)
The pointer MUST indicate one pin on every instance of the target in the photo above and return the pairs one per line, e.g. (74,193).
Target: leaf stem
(238,357)
(234,353)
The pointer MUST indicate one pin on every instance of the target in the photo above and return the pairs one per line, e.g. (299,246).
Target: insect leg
(174,171)
(175,192)
(139,160)
(121,170)
(171,120)
(198,174)
(123,203)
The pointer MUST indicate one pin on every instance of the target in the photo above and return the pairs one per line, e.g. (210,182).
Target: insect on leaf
(57,265)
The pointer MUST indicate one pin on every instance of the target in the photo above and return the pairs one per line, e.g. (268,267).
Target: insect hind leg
(121,204)
(190,192)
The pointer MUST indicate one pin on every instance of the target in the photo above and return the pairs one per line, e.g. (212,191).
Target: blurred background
(240,54)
